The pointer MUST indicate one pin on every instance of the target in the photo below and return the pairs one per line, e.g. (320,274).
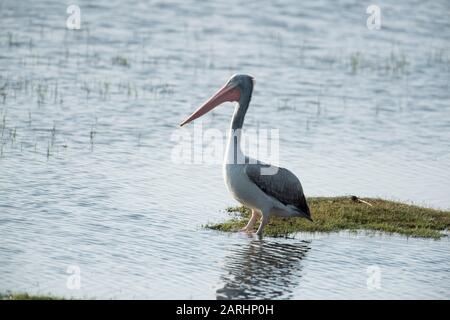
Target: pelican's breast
(243,189)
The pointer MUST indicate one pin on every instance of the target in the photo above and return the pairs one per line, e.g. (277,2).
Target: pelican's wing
(283,185)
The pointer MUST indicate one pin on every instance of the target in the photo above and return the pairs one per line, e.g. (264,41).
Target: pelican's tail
(297,212)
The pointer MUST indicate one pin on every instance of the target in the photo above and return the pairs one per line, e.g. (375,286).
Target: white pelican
(265,189)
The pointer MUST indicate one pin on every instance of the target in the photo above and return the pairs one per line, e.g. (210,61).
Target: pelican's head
(239,86)
(243,82)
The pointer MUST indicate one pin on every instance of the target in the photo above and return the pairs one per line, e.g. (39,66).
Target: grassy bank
(350,213)
(26,296)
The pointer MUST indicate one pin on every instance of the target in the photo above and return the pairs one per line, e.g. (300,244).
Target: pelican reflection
(262,270)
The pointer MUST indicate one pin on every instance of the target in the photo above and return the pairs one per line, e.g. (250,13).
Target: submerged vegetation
(34,95)
(350,213)
(120,61)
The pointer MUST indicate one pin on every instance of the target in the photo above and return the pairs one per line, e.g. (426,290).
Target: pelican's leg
(264,221)
(252,221)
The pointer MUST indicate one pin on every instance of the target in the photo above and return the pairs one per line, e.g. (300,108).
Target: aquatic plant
(120,61)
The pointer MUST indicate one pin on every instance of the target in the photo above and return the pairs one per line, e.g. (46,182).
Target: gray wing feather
(283,186)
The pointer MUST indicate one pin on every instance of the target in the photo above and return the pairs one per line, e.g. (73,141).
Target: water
(87,177)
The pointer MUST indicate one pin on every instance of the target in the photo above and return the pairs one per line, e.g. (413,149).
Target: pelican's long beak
(227,93)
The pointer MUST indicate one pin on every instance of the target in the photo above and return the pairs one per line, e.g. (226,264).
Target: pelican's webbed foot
(251,223)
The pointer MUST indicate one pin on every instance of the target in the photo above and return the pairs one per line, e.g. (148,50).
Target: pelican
(265,189)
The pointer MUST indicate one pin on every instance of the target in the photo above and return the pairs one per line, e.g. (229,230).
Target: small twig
(356,199)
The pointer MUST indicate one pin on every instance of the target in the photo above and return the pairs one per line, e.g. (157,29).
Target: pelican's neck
(234,153)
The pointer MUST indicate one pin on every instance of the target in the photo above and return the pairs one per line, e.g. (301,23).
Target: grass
(120,61)
(332,214)
(397,63)
(26,296)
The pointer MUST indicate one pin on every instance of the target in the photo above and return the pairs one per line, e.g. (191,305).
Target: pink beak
(226,93)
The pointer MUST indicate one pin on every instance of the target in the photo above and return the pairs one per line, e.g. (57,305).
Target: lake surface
(87,170)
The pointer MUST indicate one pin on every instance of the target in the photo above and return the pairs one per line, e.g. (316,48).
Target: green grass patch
(332,214)
(26,296)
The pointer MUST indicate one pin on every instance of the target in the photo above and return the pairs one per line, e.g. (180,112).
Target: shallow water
(87,176)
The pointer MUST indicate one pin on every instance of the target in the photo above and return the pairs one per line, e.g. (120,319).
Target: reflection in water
(263,270)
